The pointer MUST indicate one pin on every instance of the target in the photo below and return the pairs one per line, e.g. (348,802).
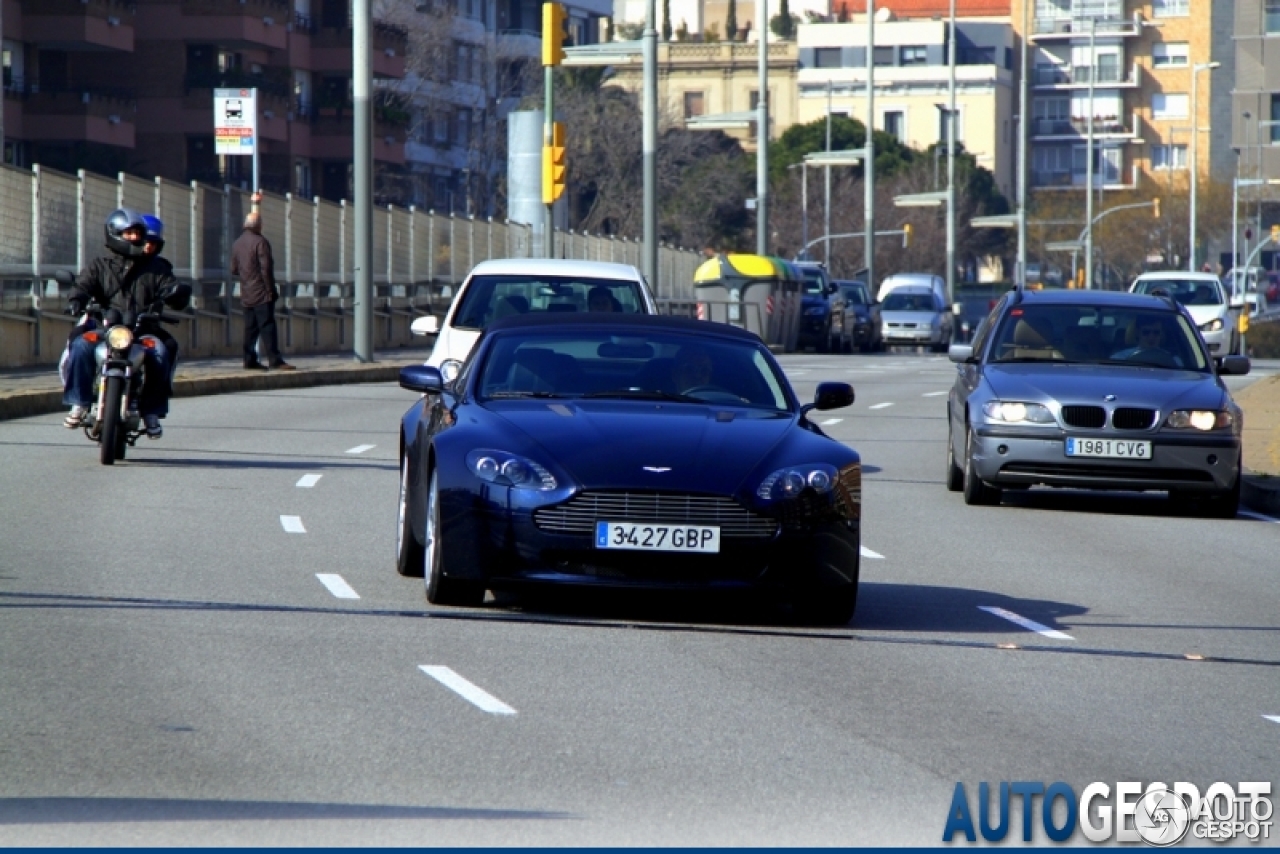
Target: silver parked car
(1206,301)
(912,314)
(1093,390)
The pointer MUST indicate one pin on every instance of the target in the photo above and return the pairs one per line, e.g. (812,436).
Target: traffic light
(1275,234)
(553,166)
(553,33)
(906,235)
(1155,207)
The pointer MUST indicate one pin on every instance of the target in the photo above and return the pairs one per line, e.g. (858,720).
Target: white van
(927,280)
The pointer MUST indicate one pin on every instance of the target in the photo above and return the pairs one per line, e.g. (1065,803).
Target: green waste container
(754,292)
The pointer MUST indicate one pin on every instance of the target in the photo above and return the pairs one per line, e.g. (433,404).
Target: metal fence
(52,221)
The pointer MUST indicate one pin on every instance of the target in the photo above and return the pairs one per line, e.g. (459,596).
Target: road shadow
(919,608)
(69,810)
(283,465)
(1103,503)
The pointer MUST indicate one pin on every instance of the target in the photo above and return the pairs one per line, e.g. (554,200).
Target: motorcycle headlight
(1214,325)
(449,369)
(507,469)
(790,482)
(119,337)
(1198,419)
(1017,412)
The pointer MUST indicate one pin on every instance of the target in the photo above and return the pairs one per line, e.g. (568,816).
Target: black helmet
(120,221)
(155,232)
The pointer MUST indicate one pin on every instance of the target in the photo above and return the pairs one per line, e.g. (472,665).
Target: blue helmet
(155,232)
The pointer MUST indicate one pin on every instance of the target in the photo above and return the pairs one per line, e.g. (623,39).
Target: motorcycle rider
(131,279)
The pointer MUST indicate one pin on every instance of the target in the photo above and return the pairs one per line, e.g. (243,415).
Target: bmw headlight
(449,369)
(1214,325)
(793,480)
(1017,412)
(119,337)
(507,469)
(1198,419)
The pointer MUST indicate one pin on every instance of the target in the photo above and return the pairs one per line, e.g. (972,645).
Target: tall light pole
(869,152)
(826,204)
(951,156)
(1088,161)
(762,129)
(1023,129)
(804,207)
(1195,163)
(362,150)
(649,54)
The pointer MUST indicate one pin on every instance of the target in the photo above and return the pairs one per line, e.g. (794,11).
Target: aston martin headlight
(449,369)
(507,469)
(1214,325)
(1198,419)
(790,482)
(1017,412)
(119,337)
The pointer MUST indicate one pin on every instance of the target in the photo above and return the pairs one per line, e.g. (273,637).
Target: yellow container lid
(735,265)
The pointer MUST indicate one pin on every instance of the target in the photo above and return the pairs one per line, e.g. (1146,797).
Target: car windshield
(1098,334)
(631,363)
(490,298)
(908,302)
(855,294)
(1184,291)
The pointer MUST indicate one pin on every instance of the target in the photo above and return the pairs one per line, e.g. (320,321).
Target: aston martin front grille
(580,514)
(1129,418)
(1091,417)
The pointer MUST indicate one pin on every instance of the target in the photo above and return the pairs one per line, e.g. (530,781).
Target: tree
(783,24)
(666,20)
(731,22)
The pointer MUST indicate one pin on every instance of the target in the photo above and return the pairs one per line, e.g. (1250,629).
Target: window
(1272,17)
(942,125)
(1165,157)
(913,55)
(462,128)
(895,124)
(826,57)
(441,127)
(755,99)
(1169,54)
(1052,115)
(883,56)
(693,104)
(1171,8)
(1274,129)
(1165,106)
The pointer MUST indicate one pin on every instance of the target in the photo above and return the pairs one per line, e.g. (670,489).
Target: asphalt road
(208,645)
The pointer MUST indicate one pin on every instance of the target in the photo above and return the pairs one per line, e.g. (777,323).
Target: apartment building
(1140,58)
(127,85)
(1254,117)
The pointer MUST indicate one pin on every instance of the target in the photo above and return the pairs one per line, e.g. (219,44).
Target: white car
(500,288)
(1204,298)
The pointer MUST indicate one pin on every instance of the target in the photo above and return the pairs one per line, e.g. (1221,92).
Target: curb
(27,403)
(1261,493)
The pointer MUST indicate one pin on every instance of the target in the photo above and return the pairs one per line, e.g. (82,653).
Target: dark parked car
(862,316)
(822,308)
(626,451)
(1094,390)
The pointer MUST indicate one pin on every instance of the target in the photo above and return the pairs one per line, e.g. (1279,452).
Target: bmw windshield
(1085,334)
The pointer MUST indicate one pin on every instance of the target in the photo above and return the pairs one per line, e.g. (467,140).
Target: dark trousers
(260,322)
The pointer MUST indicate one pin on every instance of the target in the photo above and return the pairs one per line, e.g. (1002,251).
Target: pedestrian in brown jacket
(251,261)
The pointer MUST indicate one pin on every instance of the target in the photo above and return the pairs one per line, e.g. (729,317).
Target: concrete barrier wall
(52,221)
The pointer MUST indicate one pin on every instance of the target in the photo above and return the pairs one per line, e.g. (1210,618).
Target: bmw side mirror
(833,396)
(421,378)
(960,353)
(1234,365)
(428,325)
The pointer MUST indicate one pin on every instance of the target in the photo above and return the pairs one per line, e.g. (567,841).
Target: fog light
(1213,459)
(1003,449)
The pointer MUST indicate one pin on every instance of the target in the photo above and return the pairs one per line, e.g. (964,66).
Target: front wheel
(110,430)
(975,491)
(955,474)
(409,556)
(442,590)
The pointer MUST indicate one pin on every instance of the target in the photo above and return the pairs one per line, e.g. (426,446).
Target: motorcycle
(114,422)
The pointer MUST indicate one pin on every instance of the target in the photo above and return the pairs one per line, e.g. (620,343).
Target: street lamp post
(762,130)
(1195,163)
(869,164)
(1024,127)
(826,202)
(804,205)
(951,154)
(1088,160)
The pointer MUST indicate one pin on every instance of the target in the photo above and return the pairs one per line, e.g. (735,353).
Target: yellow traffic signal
(1242,325)
(906,235)
(1275,234)
(1155,207)
(553,33)
(553,165)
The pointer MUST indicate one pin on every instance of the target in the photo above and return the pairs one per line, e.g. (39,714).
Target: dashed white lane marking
(308,480)
(880,406)
(932,393)
(830,421)
(337,586)
(292,524)
(471,693)
(867,553)
(360,449)
(1259,516)
(1030,625)
(1273,718)
(863,371)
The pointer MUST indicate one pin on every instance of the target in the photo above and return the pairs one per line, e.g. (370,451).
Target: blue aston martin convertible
(626,451)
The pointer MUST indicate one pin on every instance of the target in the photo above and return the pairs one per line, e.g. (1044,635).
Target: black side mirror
(832,396)
(1234,365)
(421,378)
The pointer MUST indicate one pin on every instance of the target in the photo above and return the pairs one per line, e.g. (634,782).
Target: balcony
(332,133)
(1076,129)
(246,24)
(1068,29)
(79,25)
(1072,179)
(91,114)
(1106,77)
(331,49)
(274,82)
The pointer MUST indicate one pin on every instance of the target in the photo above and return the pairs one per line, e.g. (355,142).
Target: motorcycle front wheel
(110,432)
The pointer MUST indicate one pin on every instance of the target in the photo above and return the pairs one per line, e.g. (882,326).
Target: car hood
(925,317)
(810,300)
(452,344)
(1202,314)
(608,443)
(1150,388)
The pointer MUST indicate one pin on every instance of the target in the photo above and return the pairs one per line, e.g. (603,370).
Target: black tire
(823,344)
(122,444)
(826,606)
(955,474)
(409,557)
(976,492)
(109,426)
(441,590)
(1225,505)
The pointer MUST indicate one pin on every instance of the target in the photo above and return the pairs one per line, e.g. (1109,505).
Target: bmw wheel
(975,491)
(409,556)
(955,474)
(441,590)
(1226,505)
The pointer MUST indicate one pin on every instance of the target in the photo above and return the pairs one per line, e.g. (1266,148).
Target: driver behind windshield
(692,369)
